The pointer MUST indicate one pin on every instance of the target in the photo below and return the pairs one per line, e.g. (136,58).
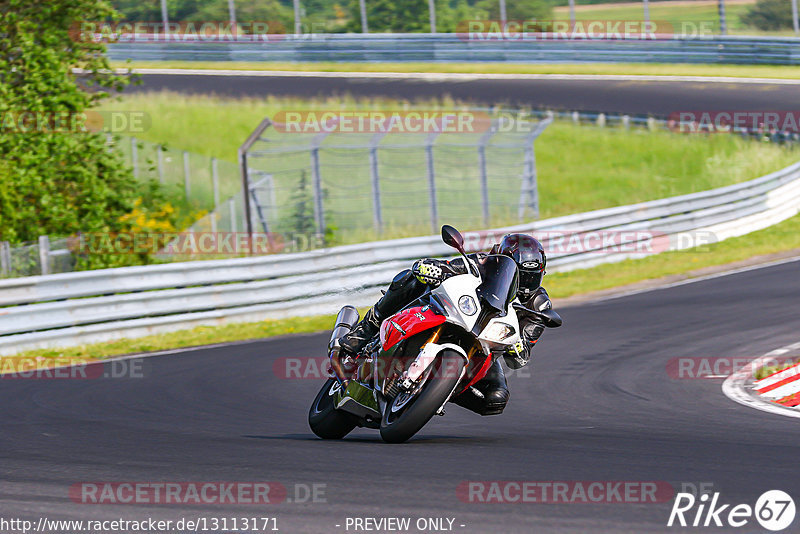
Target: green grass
(781,237)
(763,372)
(632,69)
(681,17)
(580,168)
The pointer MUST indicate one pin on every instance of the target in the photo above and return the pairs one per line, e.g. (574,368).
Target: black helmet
(530,258)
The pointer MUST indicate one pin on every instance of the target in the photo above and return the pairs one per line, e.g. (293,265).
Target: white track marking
(461,76)
(734,385)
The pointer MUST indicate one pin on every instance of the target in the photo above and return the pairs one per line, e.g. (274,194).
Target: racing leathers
(490,395)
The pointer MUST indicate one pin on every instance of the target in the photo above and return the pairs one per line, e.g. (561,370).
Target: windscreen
(500,281)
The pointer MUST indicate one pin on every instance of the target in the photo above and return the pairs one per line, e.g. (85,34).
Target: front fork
(426,356)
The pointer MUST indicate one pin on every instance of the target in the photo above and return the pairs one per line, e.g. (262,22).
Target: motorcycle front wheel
(324,419)
(407,413)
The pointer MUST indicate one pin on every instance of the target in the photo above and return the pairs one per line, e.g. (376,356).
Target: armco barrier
(95,306)
(448,47)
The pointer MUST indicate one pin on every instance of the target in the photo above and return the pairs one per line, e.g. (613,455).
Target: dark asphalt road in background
(659,98)
(597,405)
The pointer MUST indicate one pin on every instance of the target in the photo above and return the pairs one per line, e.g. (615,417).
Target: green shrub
(57,181)
(769,15)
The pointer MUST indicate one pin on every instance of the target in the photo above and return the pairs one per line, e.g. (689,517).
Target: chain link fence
(308,190)
(345,187)
(42,257)
(191,180)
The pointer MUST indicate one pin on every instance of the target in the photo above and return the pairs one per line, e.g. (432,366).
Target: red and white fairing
(408,323)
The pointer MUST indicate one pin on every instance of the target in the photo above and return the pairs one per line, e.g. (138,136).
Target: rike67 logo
(774,510)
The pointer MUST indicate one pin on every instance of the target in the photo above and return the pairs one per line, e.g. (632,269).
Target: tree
(519,10)
(769,15)
(391,16)
(206,11)
(56,182)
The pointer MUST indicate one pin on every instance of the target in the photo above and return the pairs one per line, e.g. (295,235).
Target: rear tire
(324,419)
(401,423)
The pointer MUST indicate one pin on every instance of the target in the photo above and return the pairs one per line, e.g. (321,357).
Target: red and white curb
(777,393)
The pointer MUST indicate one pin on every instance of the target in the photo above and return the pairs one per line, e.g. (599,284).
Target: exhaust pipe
(345,321)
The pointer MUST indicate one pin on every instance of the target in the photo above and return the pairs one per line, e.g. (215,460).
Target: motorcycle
(431,351)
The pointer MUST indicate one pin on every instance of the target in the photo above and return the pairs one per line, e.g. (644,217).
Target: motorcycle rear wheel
(404,417)
(324,419)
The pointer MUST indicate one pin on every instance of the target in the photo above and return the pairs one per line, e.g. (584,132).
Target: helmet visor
(530,280)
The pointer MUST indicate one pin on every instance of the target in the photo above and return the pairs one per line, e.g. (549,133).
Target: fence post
(432,180)
(601,120)
(215,180)
(44,254)
(5,258)
(377,215)
(160,158)
(134,157)
(254,136)
(484,140)
(187,179)
(626,121)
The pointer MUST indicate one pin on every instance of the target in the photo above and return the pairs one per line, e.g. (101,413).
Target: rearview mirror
(452,237)
(551,318)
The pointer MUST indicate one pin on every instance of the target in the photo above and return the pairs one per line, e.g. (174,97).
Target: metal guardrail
(461,47)
(94,306)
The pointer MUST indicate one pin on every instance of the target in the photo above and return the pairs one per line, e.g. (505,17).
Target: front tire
(324,419)
(404,417)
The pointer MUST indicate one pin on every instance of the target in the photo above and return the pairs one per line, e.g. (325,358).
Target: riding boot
(488,396)
(403,289)
(355,339)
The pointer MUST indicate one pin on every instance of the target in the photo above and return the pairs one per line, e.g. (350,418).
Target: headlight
(498,331)
(467,305)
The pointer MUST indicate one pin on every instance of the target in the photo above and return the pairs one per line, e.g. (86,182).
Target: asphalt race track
(598,405)
(659,98)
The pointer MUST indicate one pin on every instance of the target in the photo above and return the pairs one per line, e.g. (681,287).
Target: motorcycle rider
(490,395)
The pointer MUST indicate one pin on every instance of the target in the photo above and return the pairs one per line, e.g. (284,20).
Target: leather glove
(519,355)
(431,272)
